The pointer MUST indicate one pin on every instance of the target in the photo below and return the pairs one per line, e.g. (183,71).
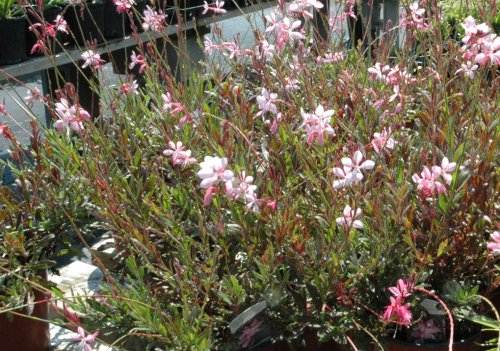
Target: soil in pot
(25,334)
(116,25)
(12,40)
(86,22)
(49,15)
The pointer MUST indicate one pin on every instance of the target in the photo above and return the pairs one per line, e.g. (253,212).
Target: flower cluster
(92,59)
(286,30)
(70,117)
(429,184)
(415,17)
(480,45)
(317,124)
(303,7)
(44,31)
(398,311)
(153,20)
(351,171)
(123,6)
(180,156)
(214,172)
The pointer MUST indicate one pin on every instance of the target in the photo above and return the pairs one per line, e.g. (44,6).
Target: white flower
(213,170)
(348,219)
(266,102)
(91,59)
(179,155)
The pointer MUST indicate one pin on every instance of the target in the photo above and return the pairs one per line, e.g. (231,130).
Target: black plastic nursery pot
(116,25)
(12,40)
(48,16)
(86,22)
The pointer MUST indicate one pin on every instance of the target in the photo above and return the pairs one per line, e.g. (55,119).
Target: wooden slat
(42,63)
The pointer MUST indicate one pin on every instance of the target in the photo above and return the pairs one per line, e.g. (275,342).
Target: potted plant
(86,22)
(12,33)
(301,197)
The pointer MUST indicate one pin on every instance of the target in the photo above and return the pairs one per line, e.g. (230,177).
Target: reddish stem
(447,310)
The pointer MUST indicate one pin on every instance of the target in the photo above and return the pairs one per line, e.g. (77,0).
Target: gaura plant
(310,192)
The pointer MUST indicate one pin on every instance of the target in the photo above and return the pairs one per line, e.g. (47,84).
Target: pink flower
(33,94)
(379,72)
(266,102)
(213,171)
(92,59)
(285,30)
(123,6)
(382,141)
(428,184)
(348,219)
(217,8)
(5,131)
(209,195)
(468,69)
(241,187)
(137,60)
(129,88)
(61,25)
(351,171)
(304,7)
(249,332)
(415,18)
(180,156)
(153,20)
(70,117)
(317,124)
(474,31)
(3,109)
(426,330)
(87,341)
(445,170)
(494,243)
(331,58)
(402,289)
(398,312)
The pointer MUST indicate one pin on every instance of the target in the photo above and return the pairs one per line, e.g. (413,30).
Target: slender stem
(447,310)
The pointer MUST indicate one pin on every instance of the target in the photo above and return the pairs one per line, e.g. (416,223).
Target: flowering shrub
(308,186)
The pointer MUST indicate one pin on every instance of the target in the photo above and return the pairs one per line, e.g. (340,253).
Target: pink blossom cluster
(351,171)
(429,181)
(286,30)
(480,45)
(44,31)
(230,49)
(331,57)
(172,106)
(398,311)
(303,7)
(179,155)
(86,340)
(70,117)
(153,20)
(129,88)
(123,6)
(415,17)
(317,125)
(92,59)
(383,141)
(214,172)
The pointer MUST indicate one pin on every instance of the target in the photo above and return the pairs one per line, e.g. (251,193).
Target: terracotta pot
(24,334)
(465,345)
